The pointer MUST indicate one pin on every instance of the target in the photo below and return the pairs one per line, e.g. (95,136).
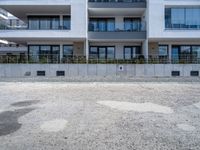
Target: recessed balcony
(117,4)
(117,31)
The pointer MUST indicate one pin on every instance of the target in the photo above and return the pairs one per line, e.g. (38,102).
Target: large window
(102,52)
(131,52)
(66,22)
(102,24)
(44,53)
(182,18)
(163,50)
(48,22)
(67,51)
(186,54)
(34,53)
(132,24)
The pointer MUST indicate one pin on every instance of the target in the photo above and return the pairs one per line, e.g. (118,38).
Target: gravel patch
(138,107)
(186,127)
(54,125)
(197,105)
(71,116)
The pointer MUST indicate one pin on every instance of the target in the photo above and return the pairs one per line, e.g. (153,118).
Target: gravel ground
(99,116)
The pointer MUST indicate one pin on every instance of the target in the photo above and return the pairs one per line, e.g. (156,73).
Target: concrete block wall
(101,70)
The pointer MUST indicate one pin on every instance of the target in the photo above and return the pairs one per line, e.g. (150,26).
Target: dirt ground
(99,116)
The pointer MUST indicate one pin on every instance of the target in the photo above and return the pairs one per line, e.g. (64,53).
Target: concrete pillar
(61,21)
(119,22)
(87,50)
(61,52)
(170,52)
(145,49)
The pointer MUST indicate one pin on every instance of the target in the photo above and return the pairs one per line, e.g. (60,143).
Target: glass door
(127,53)
(102,53)
(45,54)
(175,54)
(55,54)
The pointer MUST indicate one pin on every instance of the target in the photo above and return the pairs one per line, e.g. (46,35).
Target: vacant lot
(99,116)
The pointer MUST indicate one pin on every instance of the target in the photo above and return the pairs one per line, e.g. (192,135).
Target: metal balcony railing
(117,1)
(117,27)
(97,59)
(182,25)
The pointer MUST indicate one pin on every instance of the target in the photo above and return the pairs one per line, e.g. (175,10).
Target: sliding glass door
(102,52)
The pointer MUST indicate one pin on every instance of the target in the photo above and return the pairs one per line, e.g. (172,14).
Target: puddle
(138,107)
(25,103)
(54,125)
(9,120)
(186,127)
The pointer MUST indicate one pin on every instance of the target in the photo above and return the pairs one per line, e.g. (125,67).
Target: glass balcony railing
(180,25)
(16,24)
(12,24)
(117,1)
(117,27)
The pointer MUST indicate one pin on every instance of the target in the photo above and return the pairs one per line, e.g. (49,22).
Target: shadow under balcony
(117,4)
(136,33)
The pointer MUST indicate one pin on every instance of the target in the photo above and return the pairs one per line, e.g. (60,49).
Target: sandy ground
(99,116)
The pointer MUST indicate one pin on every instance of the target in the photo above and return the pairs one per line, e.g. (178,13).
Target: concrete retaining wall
(73,70)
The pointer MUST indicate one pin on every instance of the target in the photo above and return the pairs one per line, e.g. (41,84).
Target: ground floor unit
(83,51)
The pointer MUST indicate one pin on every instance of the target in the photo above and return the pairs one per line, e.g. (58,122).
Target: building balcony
(16,30)
(3,14)
(118,31)
(117,4)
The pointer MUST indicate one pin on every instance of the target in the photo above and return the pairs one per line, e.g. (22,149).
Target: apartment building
(45,30)
(59,31)
(174,30)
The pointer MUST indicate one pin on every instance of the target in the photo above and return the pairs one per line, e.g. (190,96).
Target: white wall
(157,20)
(99,70)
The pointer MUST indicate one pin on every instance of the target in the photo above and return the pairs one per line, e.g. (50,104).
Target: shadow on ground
(9,120)
(25,103)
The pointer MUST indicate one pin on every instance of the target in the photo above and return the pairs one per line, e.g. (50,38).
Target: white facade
(153,15)
(156,13)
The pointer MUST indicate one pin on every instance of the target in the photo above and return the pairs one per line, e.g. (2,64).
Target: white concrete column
(145,46)
(119,22)
(87,49)
(61,21)
(170,52)
(61,52)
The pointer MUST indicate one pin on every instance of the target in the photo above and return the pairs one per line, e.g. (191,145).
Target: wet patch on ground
(25,103)
(9,120)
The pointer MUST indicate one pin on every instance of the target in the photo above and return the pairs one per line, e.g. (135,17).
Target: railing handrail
(80,58)
(117,27)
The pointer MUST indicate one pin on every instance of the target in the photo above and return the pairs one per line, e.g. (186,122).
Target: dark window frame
(72,49)
(137,54)
(51,51)
(106,47)
(97,20)
(39,18)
